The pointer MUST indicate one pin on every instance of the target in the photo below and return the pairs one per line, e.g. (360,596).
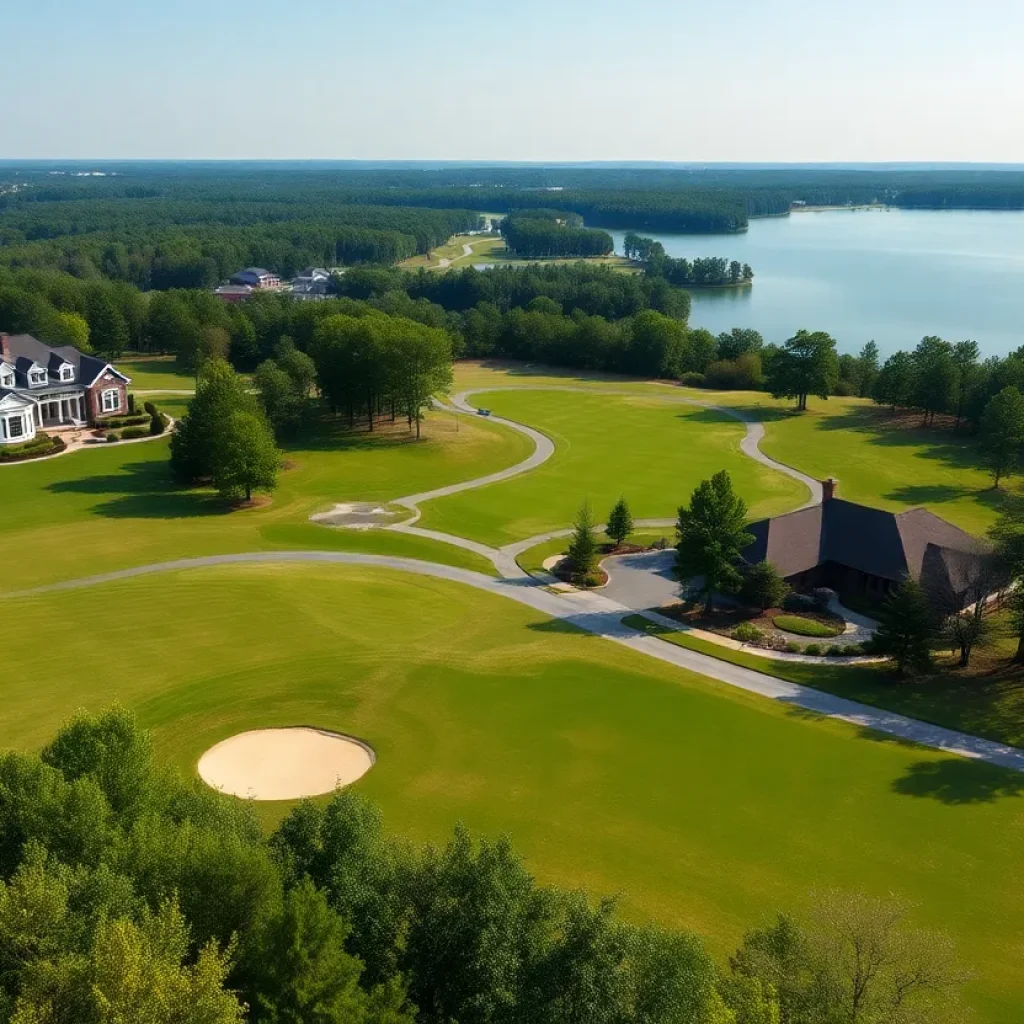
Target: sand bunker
(284,764)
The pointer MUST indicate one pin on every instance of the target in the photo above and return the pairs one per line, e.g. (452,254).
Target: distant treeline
(543,234)
(159,244)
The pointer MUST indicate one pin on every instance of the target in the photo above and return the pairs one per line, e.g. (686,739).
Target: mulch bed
(598,578)
(725,618)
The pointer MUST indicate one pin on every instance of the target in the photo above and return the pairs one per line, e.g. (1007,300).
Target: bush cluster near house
(127,893)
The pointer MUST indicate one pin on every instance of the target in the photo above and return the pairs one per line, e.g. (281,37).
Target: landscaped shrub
(131,433)
(150,409)
(854,649)
(822,596)
(798,603)
(40,445)
(792,647)
(804,627)
(125,421)
(156,425)
(692,379)
(813,649)
(747,632)
(111,437)
(131,402)
(835,651)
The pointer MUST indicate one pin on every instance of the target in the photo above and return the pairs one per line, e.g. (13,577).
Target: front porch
(61,411)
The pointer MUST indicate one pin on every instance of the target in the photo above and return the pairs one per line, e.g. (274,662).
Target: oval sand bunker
(284,764)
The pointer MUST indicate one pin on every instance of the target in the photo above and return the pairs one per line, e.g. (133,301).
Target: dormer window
(67,372)
(6,378)
(36,378)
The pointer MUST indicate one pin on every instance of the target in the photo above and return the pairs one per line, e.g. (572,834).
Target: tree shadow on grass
(925,494)
(142,490)
(957,780)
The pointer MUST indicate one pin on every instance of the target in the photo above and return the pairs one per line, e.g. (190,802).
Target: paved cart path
(602,617)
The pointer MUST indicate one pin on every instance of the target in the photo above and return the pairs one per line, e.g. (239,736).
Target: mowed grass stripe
(704,806)
(652,449)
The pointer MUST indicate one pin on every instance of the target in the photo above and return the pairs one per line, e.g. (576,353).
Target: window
(110,401)
(16,426)
(67,372)
(7,380)
(36,377)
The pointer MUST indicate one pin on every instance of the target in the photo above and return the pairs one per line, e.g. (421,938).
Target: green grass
(532,559)
(705,807)
(649,448)
(988,703)
(108,508)
(155,373)
(804,627)
(881,461)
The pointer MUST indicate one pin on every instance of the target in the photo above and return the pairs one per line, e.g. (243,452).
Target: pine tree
(582,553)
(763,587)
(1002,432)
(906,628)
(712,533)
(620,523)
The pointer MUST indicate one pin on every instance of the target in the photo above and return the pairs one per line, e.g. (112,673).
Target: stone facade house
(45,388)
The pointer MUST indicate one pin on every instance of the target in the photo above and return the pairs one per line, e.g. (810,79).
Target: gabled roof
(26,351)
(892,545)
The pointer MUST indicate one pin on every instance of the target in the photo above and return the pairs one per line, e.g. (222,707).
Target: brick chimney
(5,349)
(828,488)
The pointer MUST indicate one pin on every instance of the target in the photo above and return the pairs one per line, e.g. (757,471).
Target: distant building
(311,283)
(256,277)
(233,292)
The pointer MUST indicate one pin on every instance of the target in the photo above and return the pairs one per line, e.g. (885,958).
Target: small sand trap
(284,764)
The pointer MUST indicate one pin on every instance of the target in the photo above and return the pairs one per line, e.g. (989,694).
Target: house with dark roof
(855,548)
(256,277)
(42,387)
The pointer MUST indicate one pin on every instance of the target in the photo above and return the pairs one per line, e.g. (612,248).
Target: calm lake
(891,275)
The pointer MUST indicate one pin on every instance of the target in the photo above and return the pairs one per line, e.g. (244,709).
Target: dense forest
(129,893)
(188,225)
(546,234)
(702,272)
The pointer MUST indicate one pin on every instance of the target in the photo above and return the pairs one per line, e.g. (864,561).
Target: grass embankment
(649,448)
(706,807)
(491,250)
(105,509)
(881,460)
(986,700)
(156,373)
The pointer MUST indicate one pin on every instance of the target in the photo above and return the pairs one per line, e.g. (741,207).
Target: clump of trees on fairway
(373,363)
(545,234)
(711,534)
(130,893)
(224,438)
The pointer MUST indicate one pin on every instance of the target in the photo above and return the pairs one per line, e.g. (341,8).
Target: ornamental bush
(813,649)
(747,632)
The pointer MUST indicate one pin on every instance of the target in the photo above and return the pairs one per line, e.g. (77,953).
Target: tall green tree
(69,329)
(581,554)
(907,628)
(421,367)
(620,522)
(763,587)
(1001,438)
(965,359)
(1007,535)
(935,377)
(712,534)
(867,369)
(896,382)
(219,393)
(279,396)
(806,364)
(245,456)
(108,330)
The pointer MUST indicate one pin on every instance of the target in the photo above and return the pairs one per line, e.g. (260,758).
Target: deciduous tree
(806,365)
(245,456)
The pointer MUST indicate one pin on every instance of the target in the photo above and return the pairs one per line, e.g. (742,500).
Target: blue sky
(750,80)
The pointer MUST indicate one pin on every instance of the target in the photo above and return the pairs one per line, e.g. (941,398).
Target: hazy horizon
(791,82)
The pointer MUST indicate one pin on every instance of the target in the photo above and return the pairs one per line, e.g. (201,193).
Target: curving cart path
(603,617)
(504,558)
